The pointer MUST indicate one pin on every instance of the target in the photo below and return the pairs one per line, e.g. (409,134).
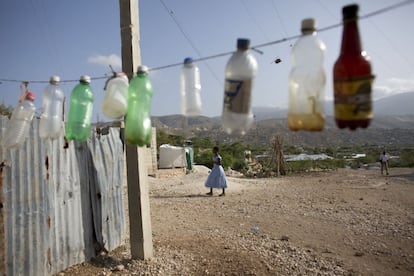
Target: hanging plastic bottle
(51,119)
(307,81)
(239,74)
(138,120)
(78,126)
(190,88)
(115,103)
(18,126)
(352,77)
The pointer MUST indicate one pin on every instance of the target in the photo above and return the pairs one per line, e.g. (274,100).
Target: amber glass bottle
(352,77)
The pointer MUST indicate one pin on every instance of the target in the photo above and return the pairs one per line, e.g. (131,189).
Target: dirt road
(344,222)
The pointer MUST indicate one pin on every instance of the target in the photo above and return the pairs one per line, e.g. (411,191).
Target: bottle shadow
(181,196)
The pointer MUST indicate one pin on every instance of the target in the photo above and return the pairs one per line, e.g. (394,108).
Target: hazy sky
(41,38)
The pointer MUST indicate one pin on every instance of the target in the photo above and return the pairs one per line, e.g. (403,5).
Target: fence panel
(60,204)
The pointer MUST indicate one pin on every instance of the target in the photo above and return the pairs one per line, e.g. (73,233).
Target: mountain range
(399,104)
(393,123)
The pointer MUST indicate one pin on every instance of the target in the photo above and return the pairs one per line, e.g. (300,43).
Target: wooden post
(137,175)
(3,263)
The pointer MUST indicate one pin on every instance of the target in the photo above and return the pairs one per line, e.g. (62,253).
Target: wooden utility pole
(137,175)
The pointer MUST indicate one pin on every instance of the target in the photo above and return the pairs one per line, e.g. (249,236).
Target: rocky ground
(344,222)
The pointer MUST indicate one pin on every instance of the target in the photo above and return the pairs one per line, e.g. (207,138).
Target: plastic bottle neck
(351,43)
(188,65)
(308,32)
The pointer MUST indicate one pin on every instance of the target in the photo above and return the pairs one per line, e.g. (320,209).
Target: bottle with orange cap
(19,124)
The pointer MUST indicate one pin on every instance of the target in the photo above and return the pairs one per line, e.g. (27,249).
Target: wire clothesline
(47,81)
(256,47)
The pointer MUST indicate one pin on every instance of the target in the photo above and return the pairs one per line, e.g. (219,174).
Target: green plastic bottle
(138,118)
(78,126)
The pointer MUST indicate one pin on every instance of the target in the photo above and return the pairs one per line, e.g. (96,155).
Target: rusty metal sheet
(59,202)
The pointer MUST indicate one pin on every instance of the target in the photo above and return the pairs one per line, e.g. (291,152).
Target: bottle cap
(54,79)
(142,69)
(243,43)
(122,75)
(30,96)
(350,11)
(188,60)
(85,79)
(308,25)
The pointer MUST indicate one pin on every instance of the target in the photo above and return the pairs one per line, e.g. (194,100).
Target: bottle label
(237,95)
(353,98)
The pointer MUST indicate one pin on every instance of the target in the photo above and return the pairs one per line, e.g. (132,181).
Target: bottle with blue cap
(240,72)
(18,126)
(51,119)
(190,88)
(78,126)
(138,119)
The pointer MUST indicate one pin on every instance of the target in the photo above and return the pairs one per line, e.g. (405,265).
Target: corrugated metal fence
(60,205)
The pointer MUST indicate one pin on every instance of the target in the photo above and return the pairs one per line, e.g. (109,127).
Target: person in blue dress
(217,178)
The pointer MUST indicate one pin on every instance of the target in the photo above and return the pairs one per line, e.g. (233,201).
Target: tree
(164,138)
(202,142)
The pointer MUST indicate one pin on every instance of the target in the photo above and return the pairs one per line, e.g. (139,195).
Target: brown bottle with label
(352,77)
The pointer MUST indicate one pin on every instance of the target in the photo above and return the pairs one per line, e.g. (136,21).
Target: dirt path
(344,222)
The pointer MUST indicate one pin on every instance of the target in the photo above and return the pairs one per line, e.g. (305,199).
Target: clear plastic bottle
(115,102)
(240,72)
(51,119)
(307,81)
(190,88)
(18,126)
(138,120)
(78,126)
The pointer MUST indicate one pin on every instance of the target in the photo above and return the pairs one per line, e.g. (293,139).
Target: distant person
(384,162)
(217,178)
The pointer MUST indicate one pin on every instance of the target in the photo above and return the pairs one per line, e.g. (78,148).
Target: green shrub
(307,165)
(239,165)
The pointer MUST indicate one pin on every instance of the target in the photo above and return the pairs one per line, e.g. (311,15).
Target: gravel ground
(344,222)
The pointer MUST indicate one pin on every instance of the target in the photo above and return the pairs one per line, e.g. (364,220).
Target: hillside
(400,104)
(395,105)
(383,130)
(393,123)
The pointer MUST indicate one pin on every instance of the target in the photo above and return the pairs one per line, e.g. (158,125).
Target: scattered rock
(119,267)
(359,254)
(284,238)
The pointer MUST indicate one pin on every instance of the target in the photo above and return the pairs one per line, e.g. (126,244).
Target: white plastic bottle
(18,126)
(51,119)
(190,88)
(240,72)
(307,81)
(115,102)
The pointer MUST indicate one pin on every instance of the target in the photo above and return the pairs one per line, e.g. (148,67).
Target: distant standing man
(384,162)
